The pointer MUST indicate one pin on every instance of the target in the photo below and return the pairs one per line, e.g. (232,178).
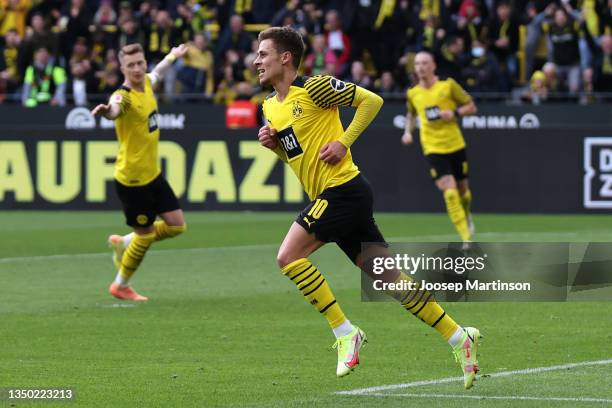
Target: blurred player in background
(142,189)
(305,131)
(439,103)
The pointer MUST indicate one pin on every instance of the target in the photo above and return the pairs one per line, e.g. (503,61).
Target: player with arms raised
(142,189)
(438,104)
(305,131)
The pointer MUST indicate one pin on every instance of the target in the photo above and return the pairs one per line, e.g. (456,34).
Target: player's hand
(447,114)
(407,138)
(179,51)
(101,109)
(332,152)
(267,137)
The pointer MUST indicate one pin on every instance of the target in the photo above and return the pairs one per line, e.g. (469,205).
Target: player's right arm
(410,123)
(117,105)
(267,138)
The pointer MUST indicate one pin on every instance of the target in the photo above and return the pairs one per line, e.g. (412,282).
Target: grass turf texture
(224,328)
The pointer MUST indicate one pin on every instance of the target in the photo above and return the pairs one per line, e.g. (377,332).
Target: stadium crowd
(60,52)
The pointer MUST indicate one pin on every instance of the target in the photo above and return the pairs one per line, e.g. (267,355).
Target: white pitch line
(495,397)
(536,370)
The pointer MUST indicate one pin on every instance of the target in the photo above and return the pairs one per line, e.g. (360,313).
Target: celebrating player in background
(439,104)
(142,189)
(305,131)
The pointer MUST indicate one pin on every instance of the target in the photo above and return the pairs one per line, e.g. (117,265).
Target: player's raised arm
(157,74)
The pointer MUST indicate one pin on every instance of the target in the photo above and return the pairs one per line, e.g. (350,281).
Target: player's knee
(284,258)
(175,230)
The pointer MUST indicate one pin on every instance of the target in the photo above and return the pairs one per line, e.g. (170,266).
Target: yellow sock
(134,253)
(315,289)
(421,303)
(456,213)
(466,201)
(163,230)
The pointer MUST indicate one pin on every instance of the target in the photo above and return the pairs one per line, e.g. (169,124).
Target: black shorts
(343,214)
(142,204)
(454,164)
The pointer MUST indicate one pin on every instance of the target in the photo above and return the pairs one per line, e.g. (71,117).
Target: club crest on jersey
(297,110)
(337,85)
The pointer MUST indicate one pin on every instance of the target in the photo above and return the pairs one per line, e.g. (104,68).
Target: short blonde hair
(130,49)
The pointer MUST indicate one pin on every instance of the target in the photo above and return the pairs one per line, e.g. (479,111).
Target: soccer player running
(304,130)
(439,104)
(142,189)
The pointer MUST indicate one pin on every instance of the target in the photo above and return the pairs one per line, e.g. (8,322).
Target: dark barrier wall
(522,159)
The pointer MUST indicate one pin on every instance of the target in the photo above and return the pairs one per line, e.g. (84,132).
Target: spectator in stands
(44,81)
(233,37)
(105,15)
(183,24)
(10,64)
(159,37)
(226,92)
(337,40)
(467,23)
(108,75)
(129,33)
(386,84)
(314,18)
(320,59)
(451,59)
(81,72)
(537,91)
(125,12)
(563,33)
(39,36)
(13,15)
(598,77)
(482,74)
(502,37)
(74,23)
(197,73)
(359,76)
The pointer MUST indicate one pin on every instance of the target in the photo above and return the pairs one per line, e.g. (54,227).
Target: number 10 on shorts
(318,208)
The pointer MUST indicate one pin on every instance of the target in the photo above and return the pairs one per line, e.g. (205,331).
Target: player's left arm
(157,74)
(463,100)
(368,104)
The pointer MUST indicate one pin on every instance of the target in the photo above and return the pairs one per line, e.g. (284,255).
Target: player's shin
(456,213)
(133,255)
(466,201)
(315,289)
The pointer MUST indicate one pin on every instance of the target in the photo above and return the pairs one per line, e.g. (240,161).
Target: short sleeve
(121,97)
(327,91)
(458,93)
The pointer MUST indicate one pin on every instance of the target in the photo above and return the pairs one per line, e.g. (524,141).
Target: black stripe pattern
(327,91)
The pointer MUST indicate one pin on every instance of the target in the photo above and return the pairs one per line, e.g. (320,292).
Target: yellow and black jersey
(138,135)
(305,121)
(437,135)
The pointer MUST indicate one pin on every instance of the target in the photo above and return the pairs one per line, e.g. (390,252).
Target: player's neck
(428,82)
(282,86)
(135,86)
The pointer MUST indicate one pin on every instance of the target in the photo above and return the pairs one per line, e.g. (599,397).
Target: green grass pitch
(224,328)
